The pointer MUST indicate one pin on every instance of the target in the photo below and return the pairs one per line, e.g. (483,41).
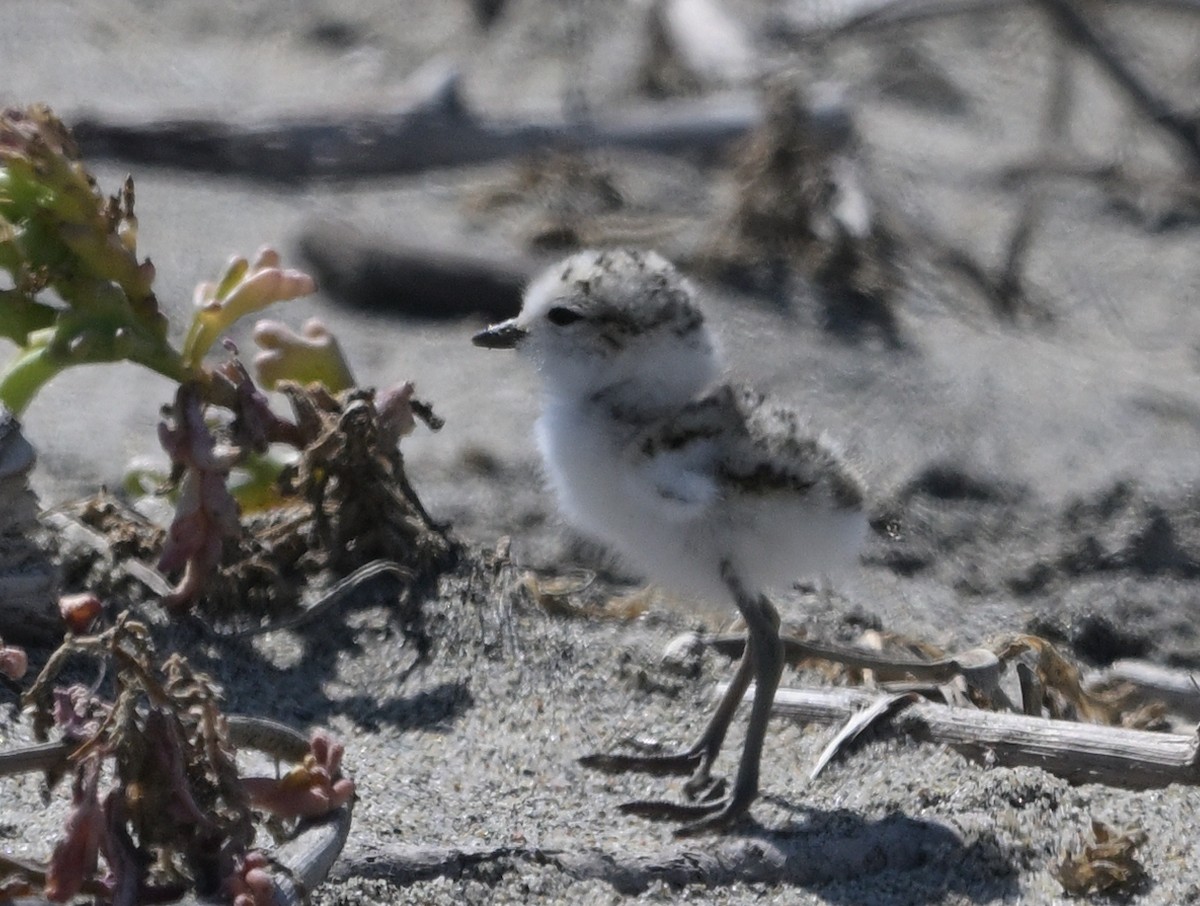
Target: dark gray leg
(763,661)
(697,759)
(765,649)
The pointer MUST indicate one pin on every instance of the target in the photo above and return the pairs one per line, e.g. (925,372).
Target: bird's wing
(730,439)
(679,458)
(775,452)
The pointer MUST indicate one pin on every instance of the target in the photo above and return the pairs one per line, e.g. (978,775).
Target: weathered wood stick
(807,857)
(1077,752)
(971,663)
(852,17)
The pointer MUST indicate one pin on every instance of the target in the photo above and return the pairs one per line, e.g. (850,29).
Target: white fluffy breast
(670,517)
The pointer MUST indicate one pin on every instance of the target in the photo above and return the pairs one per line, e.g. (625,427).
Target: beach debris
(578,594)
(1107,864)
(1066,696)
(683,655)
(1145,683)
(351,473)
(172,814)
(435,132)
(1076,728)
(344,502)
(804,205)
(854,728)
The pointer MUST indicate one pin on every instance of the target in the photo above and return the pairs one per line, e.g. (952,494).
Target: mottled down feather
(733,437)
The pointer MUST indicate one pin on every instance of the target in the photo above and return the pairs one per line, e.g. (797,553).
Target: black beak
(505,335)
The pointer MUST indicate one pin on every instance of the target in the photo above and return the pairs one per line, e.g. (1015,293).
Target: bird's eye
(561,317)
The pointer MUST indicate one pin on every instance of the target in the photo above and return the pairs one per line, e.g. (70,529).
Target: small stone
(683,653)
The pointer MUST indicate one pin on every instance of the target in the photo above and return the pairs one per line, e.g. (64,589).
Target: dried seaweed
(177,816)
(1106,865)
(801,200)
(155,789)
(347,502)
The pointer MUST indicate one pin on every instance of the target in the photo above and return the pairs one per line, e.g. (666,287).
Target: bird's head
(619,320)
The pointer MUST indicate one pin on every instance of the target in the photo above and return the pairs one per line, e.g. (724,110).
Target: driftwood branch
(978,665)
(1077,752)
(808,857)
(436,132)
(851,17)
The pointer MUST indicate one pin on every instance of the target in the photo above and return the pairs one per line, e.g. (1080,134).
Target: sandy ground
(1070,433)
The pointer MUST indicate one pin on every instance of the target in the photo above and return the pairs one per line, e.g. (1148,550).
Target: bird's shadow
(840,852)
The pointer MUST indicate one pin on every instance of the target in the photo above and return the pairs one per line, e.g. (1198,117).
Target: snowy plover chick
(698,483)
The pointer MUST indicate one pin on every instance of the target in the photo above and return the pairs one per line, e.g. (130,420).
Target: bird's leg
(764,654)
(697,758)
(709,744)
(766,649)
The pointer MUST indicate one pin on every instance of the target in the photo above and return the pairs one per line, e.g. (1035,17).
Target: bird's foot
(700,817)
(657,764)
(704,791)
(700,787)
(704,787)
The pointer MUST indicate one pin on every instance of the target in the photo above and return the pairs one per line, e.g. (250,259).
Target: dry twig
(892,844)
(1078,752)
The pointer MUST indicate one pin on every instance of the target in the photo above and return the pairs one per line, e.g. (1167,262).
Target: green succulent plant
(79,294)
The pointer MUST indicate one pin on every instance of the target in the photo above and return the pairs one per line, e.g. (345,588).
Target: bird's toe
(654,764)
